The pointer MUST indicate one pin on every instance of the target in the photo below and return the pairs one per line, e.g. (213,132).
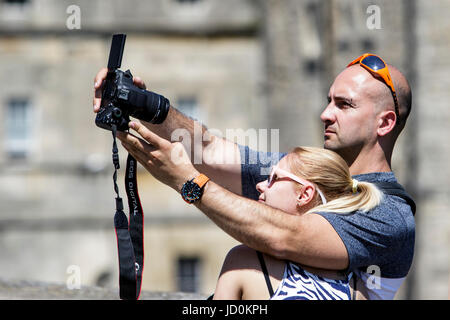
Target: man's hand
(98,87)
(166,161)
(214,151)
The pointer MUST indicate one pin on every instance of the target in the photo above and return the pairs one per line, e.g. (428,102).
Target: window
(187,1)
(188,274)
(16,2)
(188,9)
(189,106)
(15,11)
(18,128)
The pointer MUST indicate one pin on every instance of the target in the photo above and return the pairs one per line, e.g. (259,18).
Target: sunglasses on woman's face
(274,176)
(375,65)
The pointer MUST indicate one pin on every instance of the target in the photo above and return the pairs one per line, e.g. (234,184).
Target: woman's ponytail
(367,195)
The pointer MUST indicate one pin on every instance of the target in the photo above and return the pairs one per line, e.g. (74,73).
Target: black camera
(122,99)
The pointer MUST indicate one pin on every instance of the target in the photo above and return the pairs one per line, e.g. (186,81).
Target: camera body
(122,99)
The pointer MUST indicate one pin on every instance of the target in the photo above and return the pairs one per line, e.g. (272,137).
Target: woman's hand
(166,161)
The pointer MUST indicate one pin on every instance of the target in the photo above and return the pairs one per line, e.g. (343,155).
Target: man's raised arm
(307,239)
(215,156)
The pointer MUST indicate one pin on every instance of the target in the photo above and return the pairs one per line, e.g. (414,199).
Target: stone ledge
(33,290)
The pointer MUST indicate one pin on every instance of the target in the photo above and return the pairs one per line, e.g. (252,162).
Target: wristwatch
(192,190)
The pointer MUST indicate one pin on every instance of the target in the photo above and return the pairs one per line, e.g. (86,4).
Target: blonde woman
(306,181)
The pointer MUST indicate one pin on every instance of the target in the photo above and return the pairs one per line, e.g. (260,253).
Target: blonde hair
(328,171)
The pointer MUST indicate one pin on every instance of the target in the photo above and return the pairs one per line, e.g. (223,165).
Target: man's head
(361,116)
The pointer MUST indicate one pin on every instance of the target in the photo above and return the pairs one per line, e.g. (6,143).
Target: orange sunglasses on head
(376,65)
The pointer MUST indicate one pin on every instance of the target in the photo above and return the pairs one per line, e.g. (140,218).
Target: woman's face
(282,193)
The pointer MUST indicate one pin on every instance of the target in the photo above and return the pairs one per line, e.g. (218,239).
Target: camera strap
(130,236)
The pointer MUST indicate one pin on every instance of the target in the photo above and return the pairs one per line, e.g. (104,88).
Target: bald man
(360,120)
(361,124)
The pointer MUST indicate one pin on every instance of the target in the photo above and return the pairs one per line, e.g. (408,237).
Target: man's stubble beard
(348,153)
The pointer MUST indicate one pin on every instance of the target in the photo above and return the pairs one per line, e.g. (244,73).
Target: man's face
(350,117)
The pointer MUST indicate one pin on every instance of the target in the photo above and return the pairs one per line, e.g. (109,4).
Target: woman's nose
(262,186)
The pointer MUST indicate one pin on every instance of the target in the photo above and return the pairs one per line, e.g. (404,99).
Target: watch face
(191,192)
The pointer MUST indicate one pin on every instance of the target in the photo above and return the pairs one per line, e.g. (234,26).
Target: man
(368,107)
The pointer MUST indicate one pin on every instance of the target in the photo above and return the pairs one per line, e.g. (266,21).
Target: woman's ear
(305,195)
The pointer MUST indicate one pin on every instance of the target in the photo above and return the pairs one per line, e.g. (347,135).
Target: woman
(305,181)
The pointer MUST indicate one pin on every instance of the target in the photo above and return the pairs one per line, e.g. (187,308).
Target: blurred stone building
(232,64)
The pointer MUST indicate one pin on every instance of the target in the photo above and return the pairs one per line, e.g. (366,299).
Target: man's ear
(386,122)
(305,195)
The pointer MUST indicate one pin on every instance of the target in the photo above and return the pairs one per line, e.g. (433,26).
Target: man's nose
(327,115)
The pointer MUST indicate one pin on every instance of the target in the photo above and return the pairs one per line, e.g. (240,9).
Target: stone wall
(248,64)
(35,290)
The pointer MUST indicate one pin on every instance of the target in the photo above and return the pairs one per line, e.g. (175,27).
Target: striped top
(299,284)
